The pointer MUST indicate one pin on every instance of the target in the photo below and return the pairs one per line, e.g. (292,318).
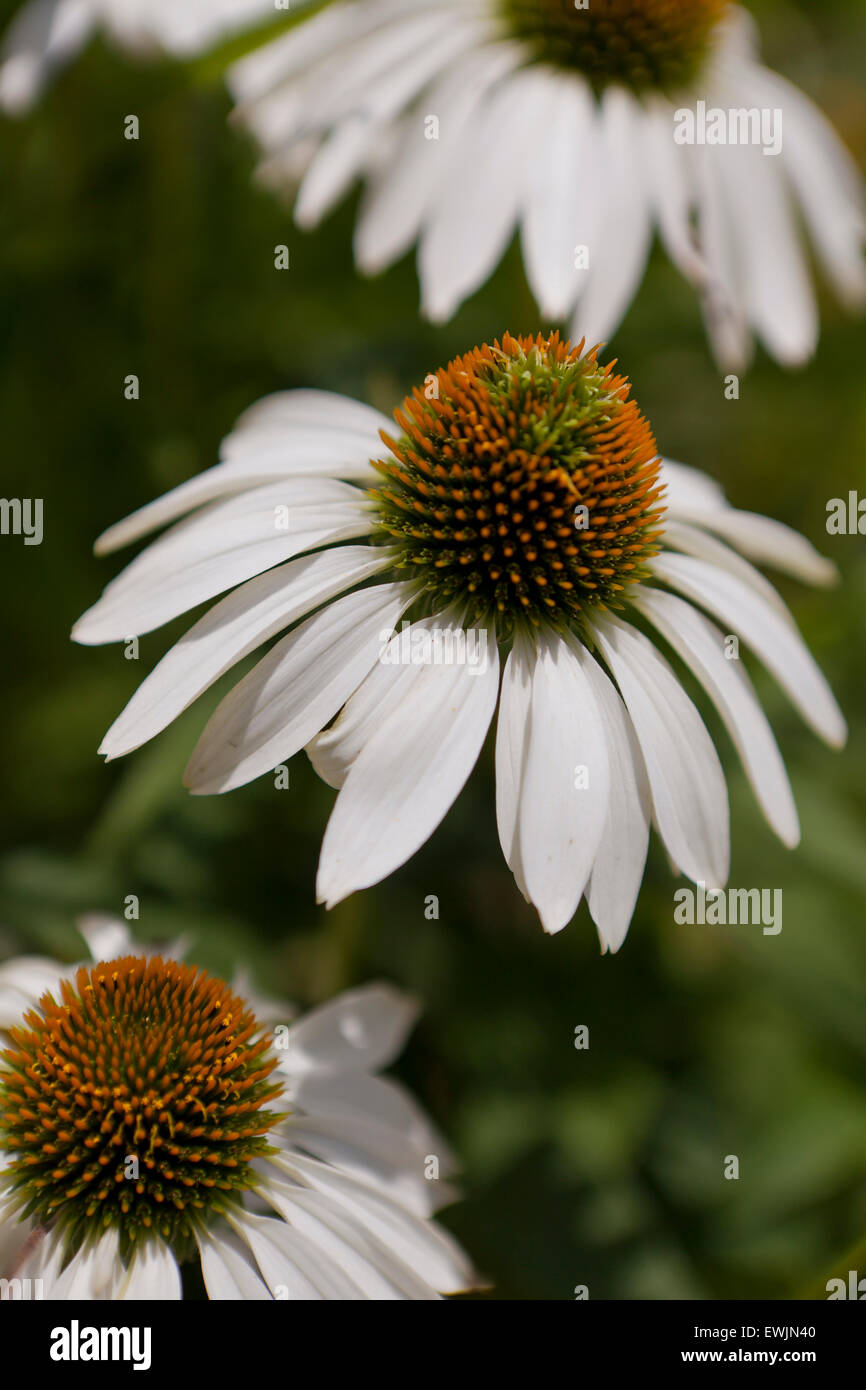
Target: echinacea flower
(515,501)
(150,1118)
(45,34)
(468,120)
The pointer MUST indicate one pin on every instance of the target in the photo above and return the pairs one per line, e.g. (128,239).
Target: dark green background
(601,1167)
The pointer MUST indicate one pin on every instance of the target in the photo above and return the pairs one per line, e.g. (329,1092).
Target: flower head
(520,514)
(471,120)
(149,1119)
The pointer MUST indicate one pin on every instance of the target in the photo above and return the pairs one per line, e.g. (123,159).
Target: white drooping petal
(228,1268)
(420,1245)
(356,1095)
(561,199)
(773,637)
(693,497)
(617,870)
(371,1153)
(153,1275)
(777,289)
(772,543)
(565,786)
(690,799)
(724,292)
(688,490)
(410,772)
(621,244)
(106,937)
(345,1243)
(702,646)
(95,1272)
(219,547)
(669,184)
(405,188)
(290,434)
(362,1030)
(512,742)
(357,130)
(43,35)
(465,240)
(691,540)
(333,751)
(290,1265)
(229,631)
(825,178)
(23,981)
(293,691)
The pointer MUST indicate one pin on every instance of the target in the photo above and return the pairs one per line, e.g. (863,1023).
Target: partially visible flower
(519,501)
(45,34)
(149,1119)
(470,119)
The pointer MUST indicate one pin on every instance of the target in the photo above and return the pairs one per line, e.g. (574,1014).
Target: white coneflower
(521,503)
(45,34)
(469,119)
(149,1118)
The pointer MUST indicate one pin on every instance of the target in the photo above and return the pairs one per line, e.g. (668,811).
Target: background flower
(298,1172)
(154,258)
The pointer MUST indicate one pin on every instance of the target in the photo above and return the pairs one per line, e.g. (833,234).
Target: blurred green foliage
(601,1167)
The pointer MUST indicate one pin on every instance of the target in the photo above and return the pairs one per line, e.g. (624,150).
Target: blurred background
(600,1167)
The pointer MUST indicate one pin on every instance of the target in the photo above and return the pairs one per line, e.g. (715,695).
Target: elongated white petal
(369,1152)
(409,773)
(702,646)
(232,629)
(361,1030)
(690,799)
(421,1245)
(617,870)
(566,784)
(692,540)
(153,1275)
(620,247)
(775,639)
(512,742)
(291,1267)
(228,1268)
(294,690)
(219,547)
(773,543)
(345,1243)
(23,981)
(405,188)
(561,203)
(333,751)
(473,226)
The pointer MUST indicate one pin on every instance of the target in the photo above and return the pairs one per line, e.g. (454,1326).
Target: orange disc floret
(524,484)
(643,44)
(136,1101)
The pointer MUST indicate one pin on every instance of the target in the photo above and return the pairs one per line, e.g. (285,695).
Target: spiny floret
(524,484)
(135,1102)
(642,43)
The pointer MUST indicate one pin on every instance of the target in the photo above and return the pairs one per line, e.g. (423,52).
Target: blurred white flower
(169,1124)
(45,34)
(520,502)
(469,119)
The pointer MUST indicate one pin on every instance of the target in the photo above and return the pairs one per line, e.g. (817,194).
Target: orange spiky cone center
(136,1101)
(523,485)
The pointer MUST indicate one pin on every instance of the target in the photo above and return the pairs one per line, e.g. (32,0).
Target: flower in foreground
(45,34)
(470,119)
(516,501)
(150,1119)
